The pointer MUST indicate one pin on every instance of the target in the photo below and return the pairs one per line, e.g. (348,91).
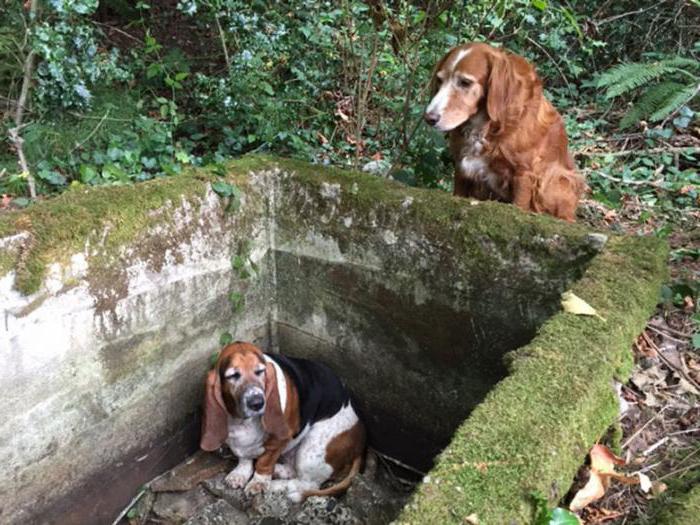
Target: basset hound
(282,417)
(507,141)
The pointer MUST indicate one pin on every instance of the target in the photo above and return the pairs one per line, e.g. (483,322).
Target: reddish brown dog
(507,140)
(292,417)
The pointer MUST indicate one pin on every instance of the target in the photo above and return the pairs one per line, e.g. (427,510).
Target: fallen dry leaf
(573,304)
(603,463)
(644,482)
(472,519)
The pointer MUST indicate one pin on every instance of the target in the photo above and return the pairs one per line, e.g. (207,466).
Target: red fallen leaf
(603,463)
(5,201)
(322,138)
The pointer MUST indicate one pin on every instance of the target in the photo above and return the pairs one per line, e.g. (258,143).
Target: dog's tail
(342,485)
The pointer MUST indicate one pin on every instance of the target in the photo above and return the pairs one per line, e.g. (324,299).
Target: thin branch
(630,13)
(563,76)
(222,37)
(92,133)
(652,183)
(651,151)
(14,133)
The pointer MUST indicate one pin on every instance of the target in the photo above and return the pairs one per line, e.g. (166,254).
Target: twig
(126,510)
(92,133)
(15,137)
(664,334)
(645,425)
(630,13)
(682,373)
(563,76)
(691,150)
(116,29)
(222,37)
(399,463)
(669,329)
(673,472)
(655,446)
(653,183)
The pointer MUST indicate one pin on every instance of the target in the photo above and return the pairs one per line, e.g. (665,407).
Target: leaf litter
(659,405)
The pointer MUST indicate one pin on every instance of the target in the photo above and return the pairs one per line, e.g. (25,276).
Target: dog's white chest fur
(246,437)
(472,163)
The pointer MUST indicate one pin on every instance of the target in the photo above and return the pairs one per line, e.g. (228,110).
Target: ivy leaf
(225,338)
(561,516)
(237,301)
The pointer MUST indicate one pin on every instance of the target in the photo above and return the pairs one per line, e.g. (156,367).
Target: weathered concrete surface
(414,297)
(102,367)
(376,287)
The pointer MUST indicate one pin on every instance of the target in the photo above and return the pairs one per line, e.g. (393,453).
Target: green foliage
(546,516)
(71,60)
(666,85)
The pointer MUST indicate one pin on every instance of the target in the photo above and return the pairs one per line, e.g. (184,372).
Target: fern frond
(651,101)
(627,77)
(674,101)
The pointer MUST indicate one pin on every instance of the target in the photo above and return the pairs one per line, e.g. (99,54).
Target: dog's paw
(283,471)
(237,480)
(258,484)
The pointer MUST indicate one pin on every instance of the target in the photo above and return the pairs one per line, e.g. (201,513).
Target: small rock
(273,504)
(236,497)
(185,476)
(219,513)
(178,507)
(377,167)
(597,240)
(318,510)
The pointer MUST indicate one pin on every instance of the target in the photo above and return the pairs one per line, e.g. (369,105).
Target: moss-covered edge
(110,217)
(534,429)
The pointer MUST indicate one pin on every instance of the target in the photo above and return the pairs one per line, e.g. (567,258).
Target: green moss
(534,429)
(105,218)
(681,510)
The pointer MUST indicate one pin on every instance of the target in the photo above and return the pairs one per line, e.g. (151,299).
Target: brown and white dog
(506,139)
(292,417)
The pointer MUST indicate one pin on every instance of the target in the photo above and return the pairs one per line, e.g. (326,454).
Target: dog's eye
(259,372)
(464,82)
(235,376)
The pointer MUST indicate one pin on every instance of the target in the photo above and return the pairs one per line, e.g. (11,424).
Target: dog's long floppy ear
(273,419)
(214,419)
(502,95)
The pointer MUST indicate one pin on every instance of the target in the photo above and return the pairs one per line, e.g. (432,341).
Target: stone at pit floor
(219,513)
(235,497)
(185,476)
(178,507)
(318,510)
(273,505)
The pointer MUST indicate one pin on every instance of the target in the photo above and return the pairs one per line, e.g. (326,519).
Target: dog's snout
(255,402)
(431,117)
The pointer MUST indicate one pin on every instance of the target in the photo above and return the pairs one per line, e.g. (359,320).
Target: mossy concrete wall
(114,299)
(102,348)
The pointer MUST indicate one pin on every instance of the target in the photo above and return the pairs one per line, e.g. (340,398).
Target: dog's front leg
(265,466)
(523,189)
(239,476)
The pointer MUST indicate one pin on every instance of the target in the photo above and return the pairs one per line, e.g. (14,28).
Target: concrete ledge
(535,428)
(113,299)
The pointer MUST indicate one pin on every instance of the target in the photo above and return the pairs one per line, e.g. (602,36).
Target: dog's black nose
(255,402)
(431,117)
